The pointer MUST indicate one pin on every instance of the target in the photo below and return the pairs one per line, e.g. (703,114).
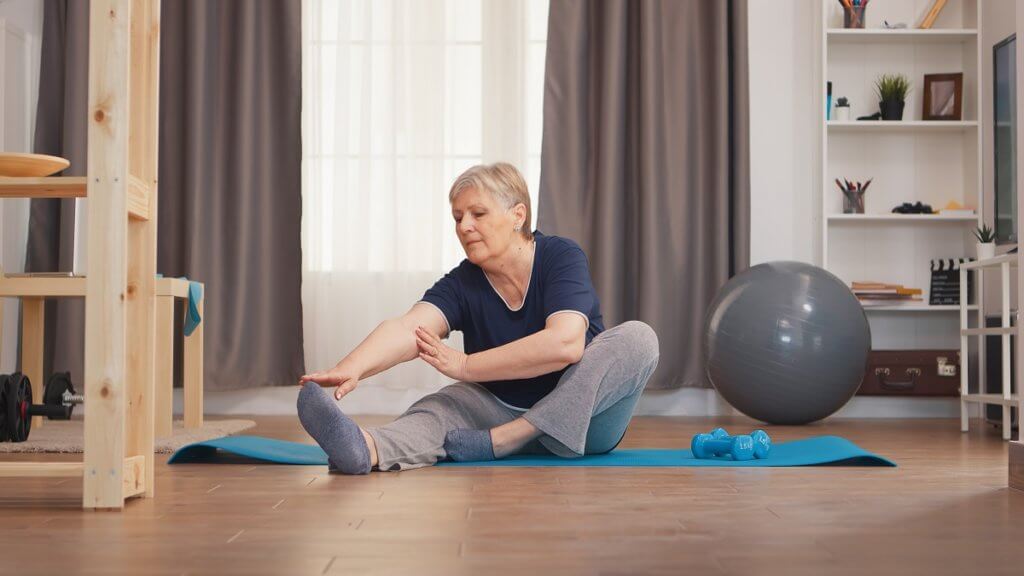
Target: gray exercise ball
(786,343)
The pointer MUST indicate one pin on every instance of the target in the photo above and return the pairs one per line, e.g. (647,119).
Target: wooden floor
(945,510)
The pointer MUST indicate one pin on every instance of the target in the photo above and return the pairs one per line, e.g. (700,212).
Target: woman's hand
(343,377)
(447,360)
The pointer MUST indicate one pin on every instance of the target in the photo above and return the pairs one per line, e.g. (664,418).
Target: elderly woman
(540,374)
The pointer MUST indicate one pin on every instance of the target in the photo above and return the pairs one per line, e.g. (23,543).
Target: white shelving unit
(905,35)
(1006,329)
(908,161)
(904,126)
(901,218)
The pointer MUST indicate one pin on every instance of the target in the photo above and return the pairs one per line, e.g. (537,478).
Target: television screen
(1004,115)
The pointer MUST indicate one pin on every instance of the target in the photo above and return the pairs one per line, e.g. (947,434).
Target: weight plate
(55,387)
(19,398)
(4,436)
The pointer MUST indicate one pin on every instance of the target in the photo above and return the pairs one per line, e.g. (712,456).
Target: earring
(516,229)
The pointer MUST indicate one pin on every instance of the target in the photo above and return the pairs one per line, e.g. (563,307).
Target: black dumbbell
(17,407)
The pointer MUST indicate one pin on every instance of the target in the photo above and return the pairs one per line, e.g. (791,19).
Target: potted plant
(892,92)
(986,242)
(843,109)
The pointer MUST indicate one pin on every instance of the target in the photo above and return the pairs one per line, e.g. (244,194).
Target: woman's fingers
(345,387)
(426,346)
(321,378)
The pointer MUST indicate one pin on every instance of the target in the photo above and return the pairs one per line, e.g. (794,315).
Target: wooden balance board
(16,164)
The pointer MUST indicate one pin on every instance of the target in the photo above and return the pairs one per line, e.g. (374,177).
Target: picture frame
(943,96)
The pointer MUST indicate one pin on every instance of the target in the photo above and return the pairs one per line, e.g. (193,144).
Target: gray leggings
(586,413)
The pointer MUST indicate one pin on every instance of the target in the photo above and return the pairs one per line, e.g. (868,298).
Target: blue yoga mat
(819,450)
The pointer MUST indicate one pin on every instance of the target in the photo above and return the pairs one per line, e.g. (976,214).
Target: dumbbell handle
(54,412)
(69,398)
(719,445)
(724,435)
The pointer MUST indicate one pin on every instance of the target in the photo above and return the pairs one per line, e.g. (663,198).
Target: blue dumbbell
(707,446)
(762,441)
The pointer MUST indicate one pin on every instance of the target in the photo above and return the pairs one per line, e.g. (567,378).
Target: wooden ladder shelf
(120,303)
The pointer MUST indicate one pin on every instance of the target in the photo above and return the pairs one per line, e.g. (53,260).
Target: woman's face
(484,227)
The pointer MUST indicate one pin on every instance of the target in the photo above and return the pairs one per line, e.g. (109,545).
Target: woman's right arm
(392,342)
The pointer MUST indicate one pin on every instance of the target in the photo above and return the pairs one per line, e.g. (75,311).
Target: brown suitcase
(912,373)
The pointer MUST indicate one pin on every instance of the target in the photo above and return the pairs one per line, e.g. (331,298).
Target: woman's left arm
(558,345)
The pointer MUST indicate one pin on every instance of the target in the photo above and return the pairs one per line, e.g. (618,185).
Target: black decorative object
(915,208)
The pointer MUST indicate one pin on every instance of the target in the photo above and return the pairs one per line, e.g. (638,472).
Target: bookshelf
(911,160)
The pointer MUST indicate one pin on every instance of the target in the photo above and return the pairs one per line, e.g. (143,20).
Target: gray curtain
(61,128)
(229,173)
(645,159)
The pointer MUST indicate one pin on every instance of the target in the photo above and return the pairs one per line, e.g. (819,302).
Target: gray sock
(465,445)
(336,433)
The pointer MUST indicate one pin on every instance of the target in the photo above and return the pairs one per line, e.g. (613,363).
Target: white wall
(21,32)
(783,39)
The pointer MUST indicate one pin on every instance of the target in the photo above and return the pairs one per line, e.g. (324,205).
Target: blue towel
(192,318)
(819,450)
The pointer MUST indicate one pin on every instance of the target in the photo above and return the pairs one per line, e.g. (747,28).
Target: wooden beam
(164,366)
(38,469)
(107,284)
(48,187)
(192,374)
(134,476)
(140,315)
(32,349)
(38,287)
(176,287)
(74,286)
(138,199)
(142,225)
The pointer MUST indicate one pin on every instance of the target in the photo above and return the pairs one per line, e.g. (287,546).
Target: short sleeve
(447,296)
(567,284)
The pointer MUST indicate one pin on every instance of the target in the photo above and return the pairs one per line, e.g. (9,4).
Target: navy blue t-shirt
(560,281)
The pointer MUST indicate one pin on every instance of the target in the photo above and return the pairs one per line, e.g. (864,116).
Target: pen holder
(853,201)
(853,17)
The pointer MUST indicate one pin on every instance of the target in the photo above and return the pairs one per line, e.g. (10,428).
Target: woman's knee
(441,401)
(640,340)
(457,405)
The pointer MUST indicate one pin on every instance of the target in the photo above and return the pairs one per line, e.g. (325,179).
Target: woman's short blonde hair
(503,182)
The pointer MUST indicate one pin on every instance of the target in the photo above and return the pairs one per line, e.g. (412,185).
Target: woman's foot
(464,445)
(339,436)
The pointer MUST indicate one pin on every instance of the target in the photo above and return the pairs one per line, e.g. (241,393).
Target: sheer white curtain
(400,96)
